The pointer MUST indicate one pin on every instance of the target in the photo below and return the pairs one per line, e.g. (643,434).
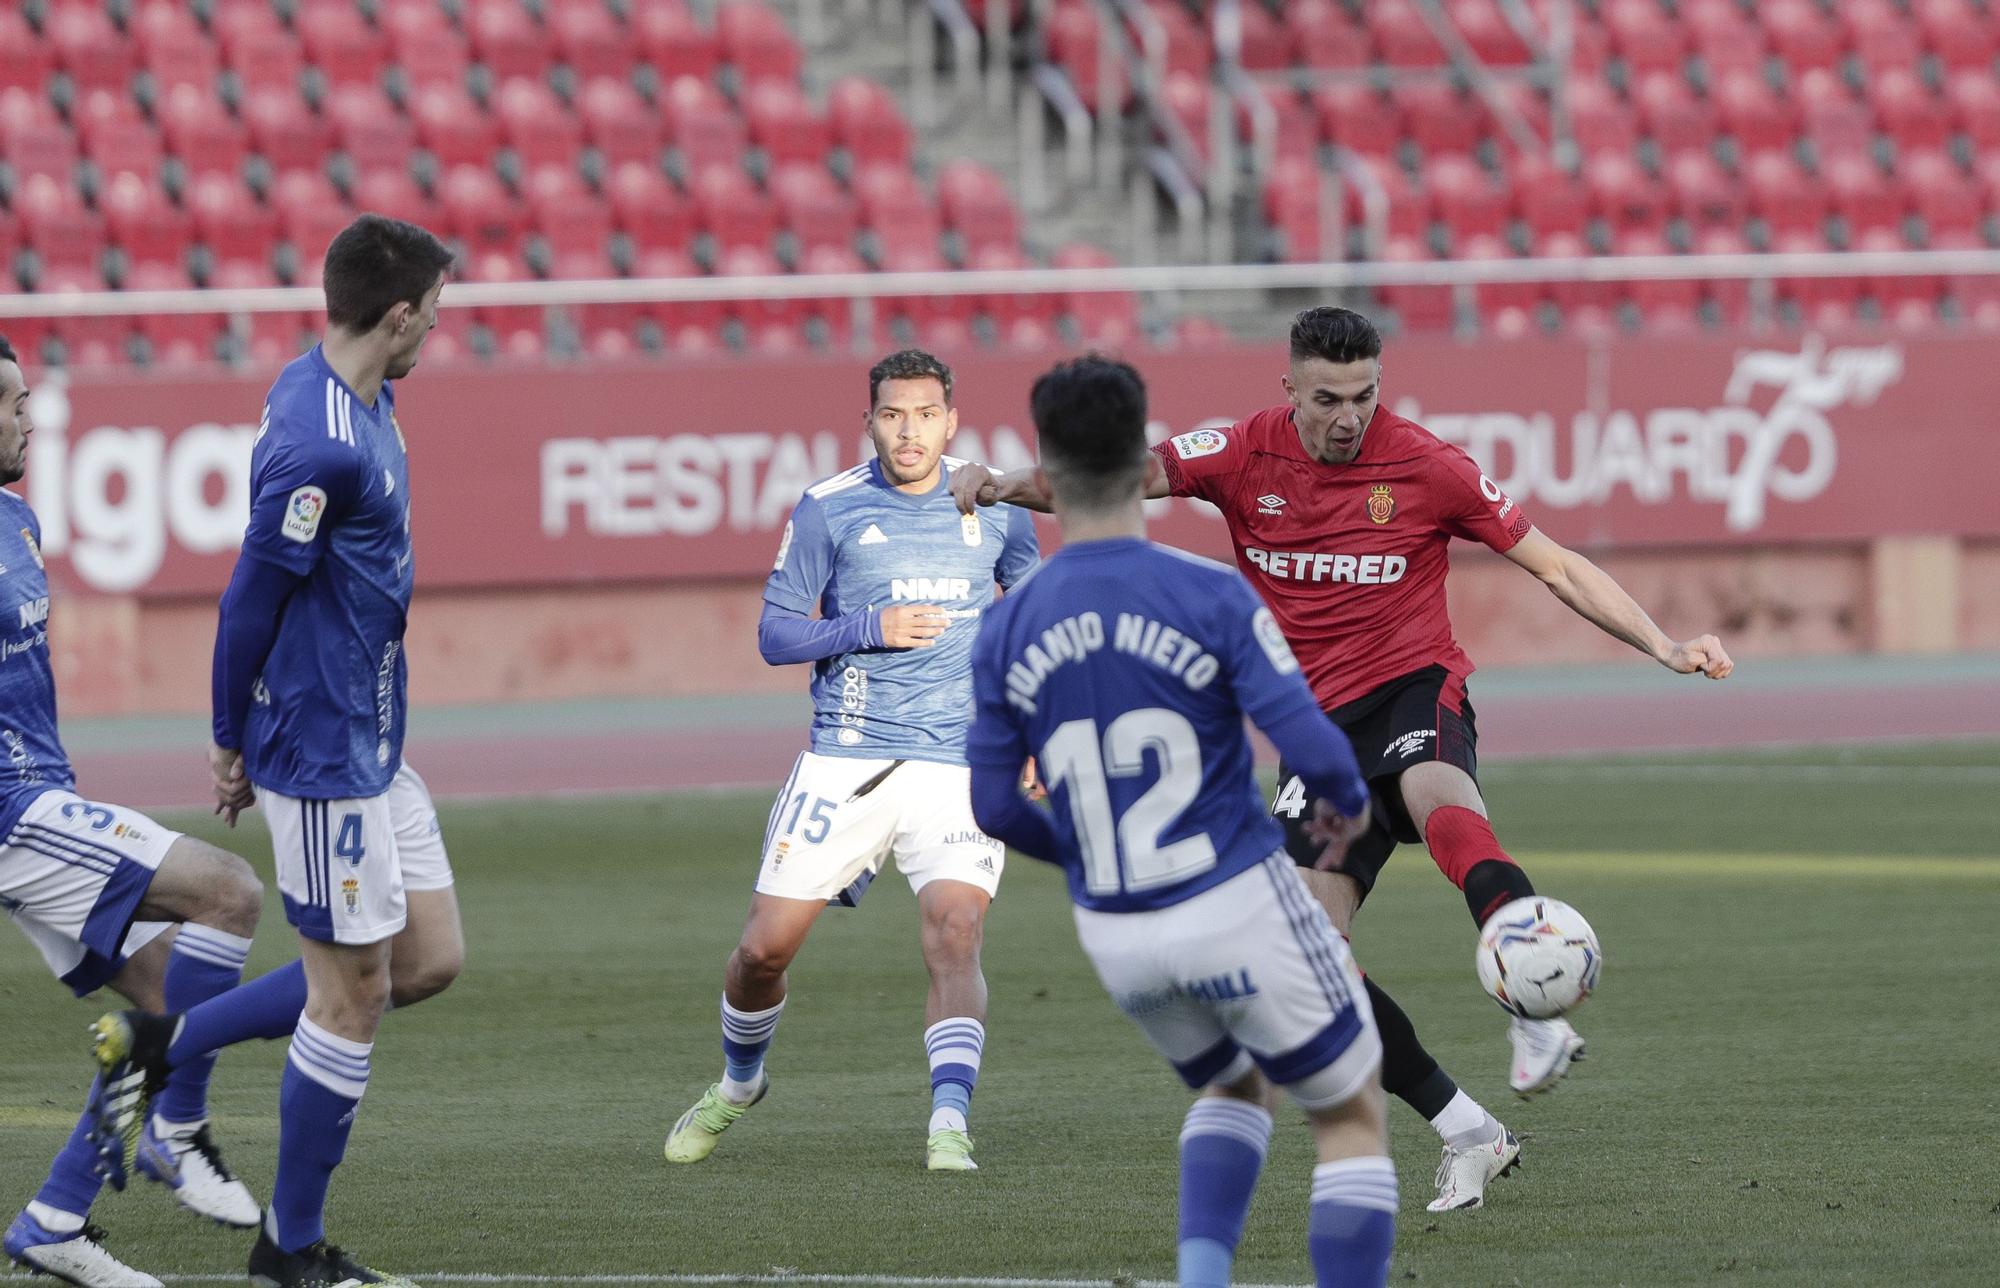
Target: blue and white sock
(267,1007)
(1353,1222)
(324,1081)
(746,1036)
(73,1184)
(205,963)
(954,1046)
(1223,1144)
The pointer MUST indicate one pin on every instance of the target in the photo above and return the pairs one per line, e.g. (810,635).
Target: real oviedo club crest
(1381,504)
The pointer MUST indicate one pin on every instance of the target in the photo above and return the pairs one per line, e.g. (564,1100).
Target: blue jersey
(330,502)
(1126,669)
(35,760)
(854,544)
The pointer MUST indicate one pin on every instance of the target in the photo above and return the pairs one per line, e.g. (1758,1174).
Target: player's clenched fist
(1704,654)
(912,625)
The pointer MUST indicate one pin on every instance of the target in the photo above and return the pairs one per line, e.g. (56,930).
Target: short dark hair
(7,353)
(1336,334)
(1090,417)
(376,263)
(908,364)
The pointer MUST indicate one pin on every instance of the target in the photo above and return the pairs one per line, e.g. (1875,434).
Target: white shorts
(72,874)
(1248,973)
(839,818)
(344,866)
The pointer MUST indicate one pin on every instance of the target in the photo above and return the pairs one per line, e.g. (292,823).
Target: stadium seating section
(150,144)
(1702,125)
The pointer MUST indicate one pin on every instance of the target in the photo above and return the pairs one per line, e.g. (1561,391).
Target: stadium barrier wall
(603,530)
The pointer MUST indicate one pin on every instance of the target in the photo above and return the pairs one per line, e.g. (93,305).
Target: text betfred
(1319,565)
(1074,638)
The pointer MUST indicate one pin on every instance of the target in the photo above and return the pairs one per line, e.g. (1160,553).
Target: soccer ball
(1538,958)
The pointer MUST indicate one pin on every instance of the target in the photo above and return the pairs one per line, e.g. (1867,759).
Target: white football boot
(75,1257)
(1543,1050)
(192,1167)
(1462,1173)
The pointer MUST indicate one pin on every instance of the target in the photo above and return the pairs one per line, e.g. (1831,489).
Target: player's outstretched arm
(974,485)
(1593,595)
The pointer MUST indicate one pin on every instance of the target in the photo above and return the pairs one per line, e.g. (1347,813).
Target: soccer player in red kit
(1341,513)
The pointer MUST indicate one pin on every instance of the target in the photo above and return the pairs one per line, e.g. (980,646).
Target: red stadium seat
(815,210)
(1507,308)
(745,260)
(1548,198)
(784,123)
(33,140)
(26,61)
(1941,195)
(730,209)
(1667,304)
(1975,102)
(975,204)
(477,208)
(1837,124)
(703,315)
(895,207)
(174,339)
(1623,194)
(1802,36)
(339,42)
(617,122)
(1072,41)
(1464,199)
(866,122)
(588,40)
(1264,44)
(648,209)
(1601,120)
(1960,34)
(196,129)
(140,221)
(1190,51)
(1108,318)
(1353,116)
(1702,194)
(1729,297)
(1417,308)
(92,341)
(172,47)
(395,194)
(1672,116)
(1486,29)
(310,214)
(228,220)
(505,40)
(1727,41)
(535,123)
(426,46)
(260,51)
(1643,35)
(114,136)
(283,131)
(756,42)
(1186,98)
(1009,307)
(1784,196)
(1759,120)
(373,134)
(87,46)
(572,221)
(1910,113)
(1324,38)
(1882,38)
(1576,299)
(1409,207)
(672,42)
(1862,196)
(450,126)
(1292,209)
(701,127)
(1402,35)
(1437,117)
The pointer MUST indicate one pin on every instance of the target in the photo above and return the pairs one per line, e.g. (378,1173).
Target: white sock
(54,1219)
(740,1093)
(177,1131)
(1464,1123)
(947,1119)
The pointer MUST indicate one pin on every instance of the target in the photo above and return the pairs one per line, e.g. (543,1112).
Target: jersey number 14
(1076,756)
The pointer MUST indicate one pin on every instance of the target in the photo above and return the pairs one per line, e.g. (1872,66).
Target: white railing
(1046,281)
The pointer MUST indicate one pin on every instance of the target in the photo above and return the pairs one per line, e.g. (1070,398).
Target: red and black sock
(1463,845)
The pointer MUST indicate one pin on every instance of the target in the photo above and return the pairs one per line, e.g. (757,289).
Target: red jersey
(1351,558)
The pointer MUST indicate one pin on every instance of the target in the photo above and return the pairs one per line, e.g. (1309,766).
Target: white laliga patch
(784,547)
(302,514)
(1266,629)
(971,529)
(1202,442)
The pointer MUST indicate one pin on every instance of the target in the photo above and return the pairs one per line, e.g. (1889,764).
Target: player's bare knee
(953,934)
(761,961)
(222,891)
(414,983)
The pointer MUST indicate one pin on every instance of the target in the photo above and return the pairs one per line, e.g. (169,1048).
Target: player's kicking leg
(1443,802)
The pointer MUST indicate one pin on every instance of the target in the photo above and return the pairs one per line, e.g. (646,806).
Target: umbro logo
(1270,503)
(872,537)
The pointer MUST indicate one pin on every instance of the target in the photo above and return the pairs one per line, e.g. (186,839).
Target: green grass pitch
(1791,1076)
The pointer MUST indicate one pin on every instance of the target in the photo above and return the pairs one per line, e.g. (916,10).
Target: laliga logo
(1733,455)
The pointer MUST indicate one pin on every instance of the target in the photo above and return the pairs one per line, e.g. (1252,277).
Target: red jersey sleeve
(1202,462)
(1472,506)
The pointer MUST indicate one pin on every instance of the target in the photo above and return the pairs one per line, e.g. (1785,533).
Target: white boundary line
(787,1280)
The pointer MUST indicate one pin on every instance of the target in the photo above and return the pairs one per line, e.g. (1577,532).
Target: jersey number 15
(1076,756)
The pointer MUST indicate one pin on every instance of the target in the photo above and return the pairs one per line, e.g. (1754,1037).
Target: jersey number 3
(1076,756)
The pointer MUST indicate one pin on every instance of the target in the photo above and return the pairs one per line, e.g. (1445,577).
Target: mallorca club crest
(1381,504)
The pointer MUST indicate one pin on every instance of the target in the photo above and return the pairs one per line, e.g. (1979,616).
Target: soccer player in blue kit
(108,896)
(309,705)
(900,579)
(1126,669)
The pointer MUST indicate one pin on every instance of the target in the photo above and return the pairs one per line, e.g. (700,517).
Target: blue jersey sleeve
(1022,551)
(1274,695)
(300,484)
(805,560)
(996,748)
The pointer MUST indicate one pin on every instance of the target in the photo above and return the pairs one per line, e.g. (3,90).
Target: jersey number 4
(1076,756)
